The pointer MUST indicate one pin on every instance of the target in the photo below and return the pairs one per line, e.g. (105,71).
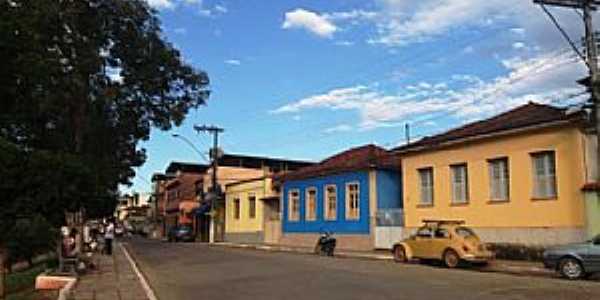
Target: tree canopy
(81,83)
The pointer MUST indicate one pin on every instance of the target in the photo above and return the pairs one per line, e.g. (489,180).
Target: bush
(29,238)
(517,252)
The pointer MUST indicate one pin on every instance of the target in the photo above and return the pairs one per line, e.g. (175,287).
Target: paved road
(197,271)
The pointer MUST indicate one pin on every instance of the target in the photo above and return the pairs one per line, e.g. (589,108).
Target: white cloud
(344,43)
(161,4)
(545,78)
(308,20)
(180,30)
(202,9)
(234,62)
(338,128)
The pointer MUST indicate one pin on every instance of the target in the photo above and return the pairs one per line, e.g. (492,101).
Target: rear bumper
(478,258)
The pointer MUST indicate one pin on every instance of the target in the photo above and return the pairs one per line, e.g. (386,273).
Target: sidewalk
(114,279)
(498,266)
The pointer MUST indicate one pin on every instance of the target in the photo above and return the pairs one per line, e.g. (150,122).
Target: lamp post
(187,141)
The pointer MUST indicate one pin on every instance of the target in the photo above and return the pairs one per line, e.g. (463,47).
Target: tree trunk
(3,259)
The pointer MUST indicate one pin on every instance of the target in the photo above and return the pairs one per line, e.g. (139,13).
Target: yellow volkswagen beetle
(446,240)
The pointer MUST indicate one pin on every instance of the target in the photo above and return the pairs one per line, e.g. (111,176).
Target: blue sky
(307,79)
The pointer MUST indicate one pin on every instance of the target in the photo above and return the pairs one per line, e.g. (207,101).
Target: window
(236,209)
(544,174)
(424,232)
(460,183)
(442,233)
(252,207)
(294,205)
(352,201)
(426,178)
(331,202)
(311,204)
(499,180)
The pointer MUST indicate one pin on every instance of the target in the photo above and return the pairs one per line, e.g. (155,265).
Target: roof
(530,115)
(160,177)
(360,158)
(257,162)
(186,167)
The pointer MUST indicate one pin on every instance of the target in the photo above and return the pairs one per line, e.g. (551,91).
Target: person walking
(109,235)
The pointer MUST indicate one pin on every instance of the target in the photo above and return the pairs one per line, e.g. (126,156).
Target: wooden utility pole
(215,165)
(591,59)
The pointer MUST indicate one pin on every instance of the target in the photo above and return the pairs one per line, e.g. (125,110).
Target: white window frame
(355,215)
(544,185)
(251,207)
(426,197)
(330,214)
(310,215)
(499,179)
(459,183)
(293,216)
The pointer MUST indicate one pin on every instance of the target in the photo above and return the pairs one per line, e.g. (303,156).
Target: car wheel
(451,258)
(571,268)
(400,254)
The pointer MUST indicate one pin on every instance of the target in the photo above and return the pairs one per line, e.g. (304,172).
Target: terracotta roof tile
(360,158)
(523,116)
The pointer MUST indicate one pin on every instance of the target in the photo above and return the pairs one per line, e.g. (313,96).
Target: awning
(203,209)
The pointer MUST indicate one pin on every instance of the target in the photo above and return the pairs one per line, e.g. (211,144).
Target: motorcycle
(325,244)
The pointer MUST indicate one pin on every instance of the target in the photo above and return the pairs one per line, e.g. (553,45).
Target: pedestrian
(109,235)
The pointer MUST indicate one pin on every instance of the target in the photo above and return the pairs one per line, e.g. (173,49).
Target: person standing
(109,235)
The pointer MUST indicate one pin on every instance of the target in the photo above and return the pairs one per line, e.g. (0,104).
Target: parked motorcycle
(326,244)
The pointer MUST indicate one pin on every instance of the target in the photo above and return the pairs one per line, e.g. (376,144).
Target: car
(183,233)
(448,241)
(119,230)
(574,261)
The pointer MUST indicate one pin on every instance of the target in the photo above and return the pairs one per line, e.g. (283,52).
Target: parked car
(183,233)
(119,230)
(445,240)
(574,261)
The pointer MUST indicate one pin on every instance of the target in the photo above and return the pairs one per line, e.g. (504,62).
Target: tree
(59,87)
(82,82)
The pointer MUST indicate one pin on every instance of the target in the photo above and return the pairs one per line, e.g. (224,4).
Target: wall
(242,192)
(566,211)
(338,226)
(227,175)
(389,189)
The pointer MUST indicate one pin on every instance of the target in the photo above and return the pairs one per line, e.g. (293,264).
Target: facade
(249,207)
(515,178)
(244,178)
(182,193)
(343,194)
(235,168)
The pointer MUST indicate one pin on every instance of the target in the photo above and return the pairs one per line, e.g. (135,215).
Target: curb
(494,267)
(65,292)
(147,289)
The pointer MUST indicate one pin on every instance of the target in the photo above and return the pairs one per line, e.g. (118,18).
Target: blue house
(344,194)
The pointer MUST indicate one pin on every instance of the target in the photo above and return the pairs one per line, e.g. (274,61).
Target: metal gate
(389,228)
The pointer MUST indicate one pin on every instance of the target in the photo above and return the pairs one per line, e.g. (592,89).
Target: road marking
(149,292)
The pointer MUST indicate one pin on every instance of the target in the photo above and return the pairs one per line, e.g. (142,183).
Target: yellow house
(515,178)
(252,211)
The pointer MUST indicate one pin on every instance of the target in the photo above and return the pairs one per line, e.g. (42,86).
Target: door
(439,243)
(421,242)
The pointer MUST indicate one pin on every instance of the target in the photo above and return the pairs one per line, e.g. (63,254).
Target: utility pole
(216,194)
(591,59)
(407,133)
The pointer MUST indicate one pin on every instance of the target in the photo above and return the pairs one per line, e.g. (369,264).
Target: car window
(424,232)
(596,240)
(442,233)
(464,232)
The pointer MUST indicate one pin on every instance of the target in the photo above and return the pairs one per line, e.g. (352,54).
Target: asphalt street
(199,271)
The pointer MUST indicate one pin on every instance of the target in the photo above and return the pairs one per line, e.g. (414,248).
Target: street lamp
(187,141)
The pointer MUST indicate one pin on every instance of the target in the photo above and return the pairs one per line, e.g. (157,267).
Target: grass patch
(25,280)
